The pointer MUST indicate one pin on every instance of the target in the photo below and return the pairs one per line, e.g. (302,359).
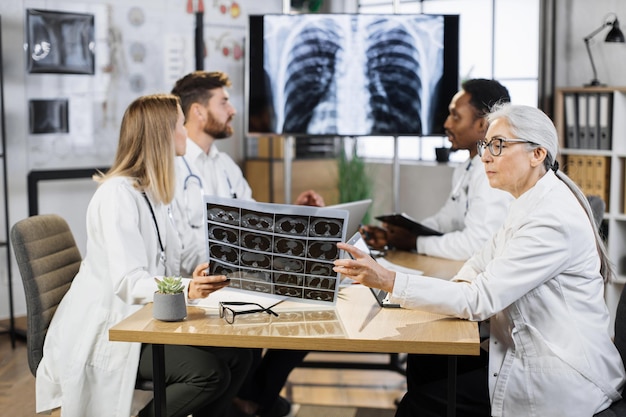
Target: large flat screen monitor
(351,74)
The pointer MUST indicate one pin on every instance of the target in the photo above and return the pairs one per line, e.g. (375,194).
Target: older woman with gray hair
(539,281)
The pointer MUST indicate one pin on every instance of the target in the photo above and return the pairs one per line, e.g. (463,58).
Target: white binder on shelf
(570,109)
(592,121)
(605,120)
(583,137)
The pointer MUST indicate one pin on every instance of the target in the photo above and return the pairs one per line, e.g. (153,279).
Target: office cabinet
(591,123)
(266,178)
(315,167)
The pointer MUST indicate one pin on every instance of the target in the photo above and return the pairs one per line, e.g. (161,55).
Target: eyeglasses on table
(229,314)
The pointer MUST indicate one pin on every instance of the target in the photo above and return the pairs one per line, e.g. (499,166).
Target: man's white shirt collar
(193,151)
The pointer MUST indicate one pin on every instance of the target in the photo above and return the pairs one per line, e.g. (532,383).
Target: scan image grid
(275,249)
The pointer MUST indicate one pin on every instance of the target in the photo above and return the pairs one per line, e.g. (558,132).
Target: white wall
(92,139)
(575,20)
(423,188)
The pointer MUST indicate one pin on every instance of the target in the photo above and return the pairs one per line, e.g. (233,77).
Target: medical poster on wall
(140,47)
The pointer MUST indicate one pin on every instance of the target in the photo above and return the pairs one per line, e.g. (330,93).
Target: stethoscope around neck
(190,176)
(456,192)
(162,254)
(190,179)
(193,178)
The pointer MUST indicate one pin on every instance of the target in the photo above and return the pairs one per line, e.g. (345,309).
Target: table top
(429,265)
(355,324)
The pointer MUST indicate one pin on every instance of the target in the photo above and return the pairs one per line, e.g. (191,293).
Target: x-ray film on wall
(60,42)
(277,249)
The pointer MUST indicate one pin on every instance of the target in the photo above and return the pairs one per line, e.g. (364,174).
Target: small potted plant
(169,299)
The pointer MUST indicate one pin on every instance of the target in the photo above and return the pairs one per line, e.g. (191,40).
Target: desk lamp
(614,35)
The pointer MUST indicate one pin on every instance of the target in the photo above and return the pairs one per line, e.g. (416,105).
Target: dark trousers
(427,386)
(199,380)
(268,375)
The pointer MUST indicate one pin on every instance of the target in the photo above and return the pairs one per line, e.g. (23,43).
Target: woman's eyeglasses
(496,145)
(229,314)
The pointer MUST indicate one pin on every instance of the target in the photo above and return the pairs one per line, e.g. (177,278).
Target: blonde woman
(130,240)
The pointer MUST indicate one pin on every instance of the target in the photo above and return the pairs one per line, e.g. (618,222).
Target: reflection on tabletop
(354,323)
(291,321)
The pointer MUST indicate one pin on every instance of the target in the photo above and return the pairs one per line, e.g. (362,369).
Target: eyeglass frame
(223,306)
(481,145)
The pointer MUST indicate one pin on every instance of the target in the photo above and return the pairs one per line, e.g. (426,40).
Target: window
(498,39)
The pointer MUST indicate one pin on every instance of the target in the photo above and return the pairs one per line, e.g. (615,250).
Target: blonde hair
(145,151)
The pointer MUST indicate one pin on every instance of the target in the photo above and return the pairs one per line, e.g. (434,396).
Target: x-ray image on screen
(351,75)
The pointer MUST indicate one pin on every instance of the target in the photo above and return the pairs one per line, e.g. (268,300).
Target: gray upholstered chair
(48,260)
(597,207)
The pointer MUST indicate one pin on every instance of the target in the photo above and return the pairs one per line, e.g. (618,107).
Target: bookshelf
(592,132)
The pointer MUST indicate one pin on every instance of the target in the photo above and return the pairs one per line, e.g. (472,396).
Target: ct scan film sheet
(278,249)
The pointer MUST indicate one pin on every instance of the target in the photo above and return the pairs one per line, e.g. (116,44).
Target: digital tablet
(381,296)
(405,221)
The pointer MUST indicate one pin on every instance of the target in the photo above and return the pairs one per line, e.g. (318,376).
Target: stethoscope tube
(191,175)
(456,192)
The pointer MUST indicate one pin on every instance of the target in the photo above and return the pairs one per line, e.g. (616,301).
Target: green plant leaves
(170,285)
(354,182)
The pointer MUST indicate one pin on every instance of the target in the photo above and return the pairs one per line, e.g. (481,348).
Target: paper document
(398,268)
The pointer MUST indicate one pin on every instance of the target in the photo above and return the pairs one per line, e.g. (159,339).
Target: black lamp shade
(615,34)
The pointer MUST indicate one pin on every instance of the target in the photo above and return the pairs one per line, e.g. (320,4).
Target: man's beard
(216,129)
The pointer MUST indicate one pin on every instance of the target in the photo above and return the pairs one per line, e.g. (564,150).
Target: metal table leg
(158,370)
(452,359)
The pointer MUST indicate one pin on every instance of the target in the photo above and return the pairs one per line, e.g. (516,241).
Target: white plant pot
(169,307)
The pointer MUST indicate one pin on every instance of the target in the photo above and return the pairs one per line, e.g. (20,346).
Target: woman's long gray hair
(533,125)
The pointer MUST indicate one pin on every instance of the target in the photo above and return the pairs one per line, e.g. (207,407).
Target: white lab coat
(538,281)
(81,370)
(471,214)
(196,174)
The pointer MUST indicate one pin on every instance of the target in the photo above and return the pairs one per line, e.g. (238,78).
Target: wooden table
(355,324)
(429,265)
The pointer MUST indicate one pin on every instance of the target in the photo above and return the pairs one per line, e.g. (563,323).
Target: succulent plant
(170,285)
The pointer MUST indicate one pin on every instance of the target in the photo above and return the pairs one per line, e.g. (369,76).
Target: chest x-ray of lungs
(353,75)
